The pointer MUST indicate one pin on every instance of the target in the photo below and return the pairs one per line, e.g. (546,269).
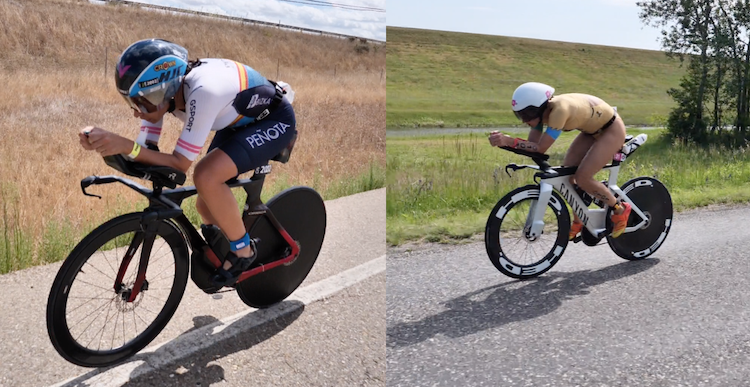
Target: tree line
(713,38)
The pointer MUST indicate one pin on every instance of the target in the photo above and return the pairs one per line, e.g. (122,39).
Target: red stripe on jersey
(188,146)
(151,129)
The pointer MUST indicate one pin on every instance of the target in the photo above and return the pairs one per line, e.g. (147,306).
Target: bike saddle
(283,156)
(161,175)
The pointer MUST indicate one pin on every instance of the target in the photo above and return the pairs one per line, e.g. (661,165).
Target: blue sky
(370,25)
(603,22)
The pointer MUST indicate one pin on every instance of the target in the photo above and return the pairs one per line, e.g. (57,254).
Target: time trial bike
(122,283)
(527,231)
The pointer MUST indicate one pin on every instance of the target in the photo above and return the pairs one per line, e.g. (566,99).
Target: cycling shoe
(228,277)
(620,222)
(575,229)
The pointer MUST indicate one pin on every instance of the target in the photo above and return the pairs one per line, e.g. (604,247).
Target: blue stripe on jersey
(242,122)
(254,78)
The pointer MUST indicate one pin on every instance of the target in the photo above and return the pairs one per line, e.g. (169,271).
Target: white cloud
(370,25)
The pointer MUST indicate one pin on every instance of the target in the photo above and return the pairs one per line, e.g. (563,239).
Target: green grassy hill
(451,79)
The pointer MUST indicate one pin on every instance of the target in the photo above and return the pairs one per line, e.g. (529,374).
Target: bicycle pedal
(577,239)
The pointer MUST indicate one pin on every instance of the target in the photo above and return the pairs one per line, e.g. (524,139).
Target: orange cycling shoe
(575,228)
(620,221)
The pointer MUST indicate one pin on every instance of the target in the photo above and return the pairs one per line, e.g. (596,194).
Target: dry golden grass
(77,32)
(53,53)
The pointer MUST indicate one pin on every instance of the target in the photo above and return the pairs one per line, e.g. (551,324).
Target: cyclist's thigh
(578,149)
(215,167)
(602,151)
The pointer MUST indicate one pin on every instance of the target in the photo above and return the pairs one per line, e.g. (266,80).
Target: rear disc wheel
(302,213)
(654,200)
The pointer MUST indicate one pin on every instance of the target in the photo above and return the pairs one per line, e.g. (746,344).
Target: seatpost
(157,189)
(254,207)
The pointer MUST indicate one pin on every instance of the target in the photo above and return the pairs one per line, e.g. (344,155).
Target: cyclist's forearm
(174,160)
(529,146)
(540,146)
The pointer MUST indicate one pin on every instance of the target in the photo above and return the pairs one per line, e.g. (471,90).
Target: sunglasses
(148,103)
(528,114)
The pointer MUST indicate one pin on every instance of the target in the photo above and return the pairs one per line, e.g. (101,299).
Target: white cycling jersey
(209,90)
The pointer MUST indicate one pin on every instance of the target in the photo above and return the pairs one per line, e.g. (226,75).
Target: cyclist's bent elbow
(181,162)
(545,142)
(542,148)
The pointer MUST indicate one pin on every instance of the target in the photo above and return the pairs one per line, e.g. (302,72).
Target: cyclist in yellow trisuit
(602,135)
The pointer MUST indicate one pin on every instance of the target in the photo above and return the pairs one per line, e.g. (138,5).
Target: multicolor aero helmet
(530,100)
(150,72)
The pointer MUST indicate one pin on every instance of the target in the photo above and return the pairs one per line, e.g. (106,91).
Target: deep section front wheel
(90,320)
(509,246)
(654,200)
(301,211)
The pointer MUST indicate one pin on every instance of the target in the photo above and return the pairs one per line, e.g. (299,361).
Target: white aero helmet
(530,100)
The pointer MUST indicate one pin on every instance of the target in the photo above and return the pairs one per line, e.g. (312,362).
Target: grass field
(449,79)
(58,60)
(442,188)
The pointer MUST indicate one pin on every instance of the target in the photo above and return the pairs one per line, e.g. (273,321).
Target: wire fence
(242,20)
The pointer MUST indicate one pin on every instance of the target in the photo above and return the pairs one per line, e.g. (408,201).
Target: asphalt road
(338,340)
(679,318)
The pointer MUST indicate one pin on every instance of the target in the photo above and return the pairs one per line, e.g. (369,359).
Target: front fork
(145,238)
(535,221)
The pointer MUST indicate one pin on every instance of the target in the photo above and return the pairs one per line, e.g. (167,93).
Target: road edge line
(157,356)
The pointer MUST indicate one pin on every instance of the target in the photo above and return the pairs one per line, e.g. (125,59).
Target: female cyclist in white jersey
(602,135)
(253,119)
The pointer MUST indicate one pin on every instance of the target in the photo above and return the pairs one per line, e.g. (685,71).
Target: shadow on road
(509,302)
(194,369)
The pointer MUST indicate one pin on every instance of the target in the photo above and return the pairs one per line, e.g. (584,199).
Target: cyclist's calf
(594,188)
(203,211)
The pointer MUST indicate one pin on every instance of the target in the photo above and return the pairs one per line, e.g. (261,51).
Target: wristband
(135,152)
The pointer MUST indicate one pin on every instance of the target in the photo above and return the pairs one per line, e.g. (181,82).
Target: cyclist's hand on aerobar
(104,142)
(499,139)
(83,138)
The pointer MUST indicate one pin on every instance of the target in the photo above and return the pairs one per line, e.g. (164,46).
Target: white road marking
(154,357)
